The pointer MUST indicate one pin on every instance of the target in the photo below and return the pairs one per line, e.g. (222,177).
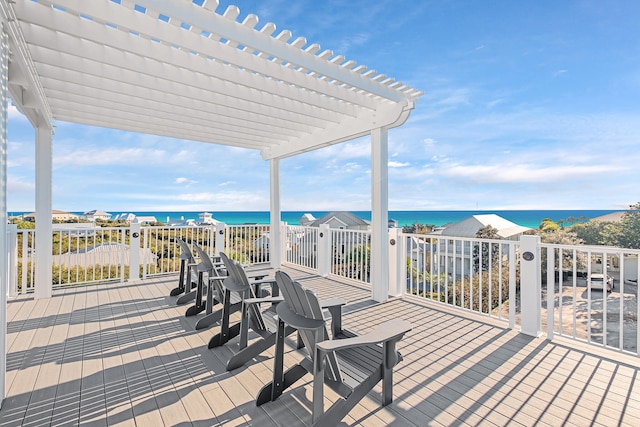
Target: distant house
(125,217)
(150,219)
(55,216)
(455,256)
(469,227)
(103,254)
(306,219)
(341,220)
(96,214)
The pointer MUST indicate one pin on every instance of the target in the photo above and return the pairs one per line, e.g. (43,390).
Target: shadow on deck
(125,354)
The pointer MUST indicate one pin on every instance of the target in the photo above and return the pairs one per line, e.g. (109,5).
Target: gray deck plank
(124,354)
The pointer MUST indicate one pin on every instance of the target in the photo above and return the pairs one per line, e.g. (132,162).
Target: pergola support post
(44,227)
(4,259)
(379,215)
(275,235)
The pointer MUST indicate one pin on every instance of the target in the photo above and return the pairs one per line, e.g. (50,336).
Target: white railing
(161,251)
(576,305)
(552,289)
(350,254)
(248,243)
(302,246)
(479,275)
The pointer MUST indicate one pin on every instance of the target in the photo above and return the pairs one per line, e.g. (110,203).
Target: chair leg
(189,296)
(209,320)
(342,407)
(222,338)
(180,289)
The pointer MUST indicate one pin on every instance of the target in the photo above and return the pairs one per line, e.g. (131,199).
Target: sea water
(526,218)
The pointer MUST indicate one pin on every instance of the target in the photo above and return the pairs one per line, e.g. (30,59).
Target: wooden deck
(124,354)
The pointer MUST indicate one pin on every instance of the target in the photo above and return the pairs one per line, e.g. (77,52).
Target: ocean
(526,218)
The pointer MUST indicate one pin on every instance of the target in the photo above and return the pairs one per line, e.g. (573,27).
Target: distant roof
(610,217)
(470,226)
(347,218)
(97,212)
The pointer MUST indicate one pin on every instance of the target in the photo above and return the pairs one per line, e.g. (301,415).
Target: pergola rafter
(114,64)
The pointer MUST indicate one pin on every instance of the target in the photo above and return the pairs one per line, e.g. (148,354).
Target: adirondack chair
(188,278)
(215,291)
(350,364)
(204,266)
(261,322)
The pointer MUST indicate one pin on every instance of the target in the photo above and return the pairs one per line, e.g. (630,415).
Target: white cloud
(398,164)
(524,173)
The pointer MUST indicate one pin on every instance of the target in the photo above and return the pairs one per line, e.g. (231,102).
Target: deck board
(123,354)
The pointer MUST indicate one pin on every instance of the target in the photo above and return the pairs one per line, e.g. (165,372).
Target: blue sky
(527,105)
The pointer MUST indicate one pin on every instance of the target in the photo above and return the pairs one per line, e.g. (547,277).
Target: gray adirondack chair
(350,364)
(214,290)
(251,300)
(188,278)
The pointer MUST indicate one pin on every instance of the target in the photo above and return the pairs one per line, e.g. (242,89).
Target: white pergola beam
(153,28)
(189,12)
(388,116)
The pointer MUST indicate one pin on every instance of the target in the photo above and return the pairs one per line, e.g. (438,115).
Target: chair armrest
(250,301)
(388,331)
(218,278)
(260,273)
(334,306)
(263,282)
(332,302)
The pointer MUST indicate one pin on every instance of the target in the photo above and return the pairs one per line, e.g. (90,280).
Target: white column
(43,258)
(379,215)
(4,105)
(275,249)
(530,292)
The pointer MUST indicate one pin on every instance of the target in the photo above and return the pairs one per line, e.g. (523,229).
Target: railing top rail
(436,237)
(591,248)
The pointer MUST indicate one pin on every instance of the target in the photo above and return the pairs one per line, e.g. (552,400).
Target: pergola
(181,69)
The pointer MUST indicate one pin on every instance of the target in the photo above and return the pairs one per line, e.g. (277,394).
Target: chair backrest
(185,251)
(205,263)
(305,303)
(240,284)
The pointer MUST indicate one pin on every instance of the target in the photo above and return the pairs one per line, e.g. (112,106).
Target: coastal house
(96,214)
(125,217)
(469,227)
(56,215)
(144,219)
(341,220)
(460,264)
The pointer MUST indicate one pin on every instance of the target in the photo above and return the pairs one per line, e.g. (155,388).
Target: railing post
(12,266)
(324,250)
(397,266)
(145,246)
(551,287)
(219,242)
(283,242)
(530,290)
(134,252)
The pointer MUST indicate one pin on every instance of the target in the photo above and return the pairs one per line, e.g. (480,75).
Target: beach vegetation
(417,228)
